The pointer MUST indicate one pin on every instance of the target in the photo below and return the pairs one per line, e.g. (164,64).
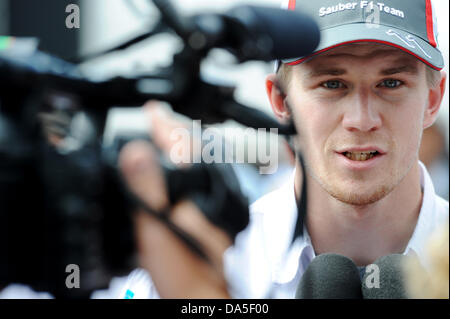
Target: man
(360,104)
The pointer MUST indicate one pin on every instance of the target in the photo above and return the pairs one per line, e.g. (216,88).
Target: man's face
(359,111)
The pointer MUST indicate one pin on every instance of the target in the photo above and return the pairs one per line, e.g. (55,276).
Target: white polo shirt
(264,264)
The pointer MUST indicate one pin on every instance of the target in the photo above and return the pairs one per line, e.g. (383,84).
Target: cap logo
(408,25)
(340,7)
(372,16)
(408,40)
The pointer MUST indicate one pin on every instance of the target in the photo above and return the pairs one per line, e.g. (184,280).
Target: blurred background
(106,23)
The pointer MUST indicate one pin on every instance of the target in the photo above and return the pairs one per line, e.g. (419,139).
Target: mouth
(361,156)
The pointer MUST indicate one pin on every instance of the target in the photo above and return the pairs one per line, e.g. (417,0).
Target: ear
(277,98)
(435,97)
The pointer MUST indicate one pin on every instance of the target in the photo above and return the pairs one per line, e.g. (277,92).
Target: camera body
(59,207)
(64,201)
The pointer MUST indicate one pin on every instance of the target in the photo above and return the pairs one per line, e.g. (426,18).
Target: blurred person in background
(434,154)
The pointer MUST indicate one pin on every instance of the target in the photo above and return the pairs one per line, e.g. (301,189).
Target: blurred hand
(176,271)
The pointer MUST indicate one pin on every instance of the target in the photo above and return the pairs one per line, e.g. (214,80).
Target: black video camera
(62,200)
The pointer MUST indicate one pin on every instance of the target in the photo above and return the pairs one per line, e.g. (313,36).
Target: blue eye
(333,85)
(391,83)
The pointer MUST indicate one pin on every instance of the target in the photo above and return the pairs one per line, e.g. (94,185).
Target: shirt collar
(426,222)
(301,252)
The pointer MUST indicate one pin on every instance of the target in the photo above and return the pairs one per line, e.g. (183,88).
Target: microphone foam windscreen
(330,276)
(386,279)
(293,34)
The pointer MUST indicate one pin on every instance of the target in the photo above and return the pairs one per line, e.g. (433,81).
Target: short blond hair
(433,77)
(431,282)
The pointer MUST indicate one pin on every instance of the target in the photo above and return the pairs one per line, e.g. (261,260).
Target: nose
(361,113)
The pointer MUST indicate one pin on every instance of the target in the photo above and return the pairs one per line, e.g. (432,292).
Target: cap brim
(364,32)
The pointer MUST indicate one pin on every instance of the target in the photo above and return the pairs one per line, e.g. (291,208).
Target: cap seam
(300,60)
